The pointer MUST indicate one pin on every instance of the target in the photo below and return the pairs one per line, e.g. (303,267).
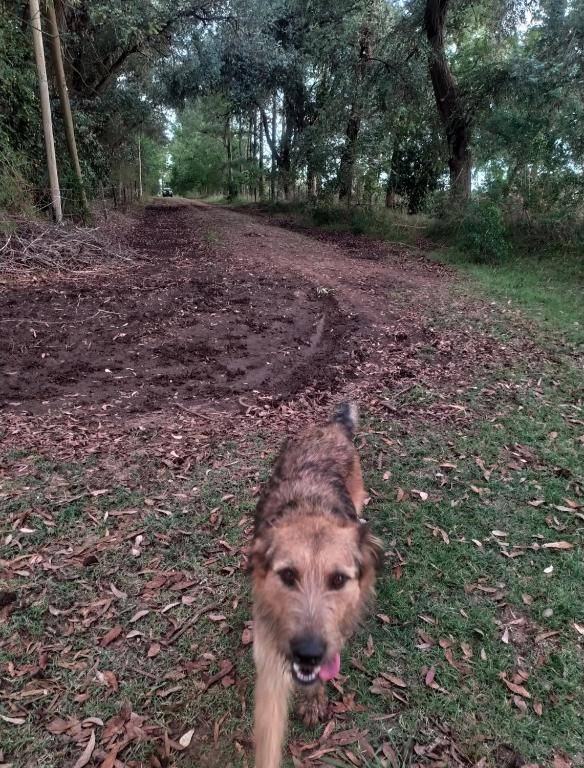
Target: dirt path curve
(217,305)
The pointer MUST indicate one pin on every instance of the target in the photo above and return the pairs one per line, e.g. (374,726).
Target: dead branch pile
(27,245)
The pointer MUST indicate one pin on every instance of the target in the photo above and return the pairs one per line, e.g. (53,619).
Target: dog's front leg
(312,705)
(271,703)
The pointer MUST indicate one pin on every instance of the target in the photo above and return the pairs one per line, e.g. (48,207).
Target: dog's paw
(313,709)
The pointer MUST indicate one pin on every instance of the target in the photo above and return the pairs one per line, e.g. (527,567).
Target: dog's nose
(308,649)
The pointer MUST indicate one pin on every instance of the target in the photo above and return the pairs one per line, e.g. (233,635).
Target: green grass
(550,289)
(436,581)
(436,578)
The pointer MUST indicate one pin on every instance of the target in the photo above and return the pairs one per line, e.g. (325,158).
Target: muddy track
(218,307)
(181,325)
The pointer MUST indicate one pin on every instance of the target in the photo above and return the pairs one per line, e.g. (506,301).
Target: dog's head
(312,577)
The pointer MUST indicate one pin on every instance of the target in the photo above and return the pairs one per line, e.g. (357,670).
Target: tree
(37,37)
(65,104)
(453,114)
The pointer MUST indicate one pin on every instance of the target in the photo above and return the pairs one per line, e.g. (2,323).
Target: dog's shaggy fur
(313,566)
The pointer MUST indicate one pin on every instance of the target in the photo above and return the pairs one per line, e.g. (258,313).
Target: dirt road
(215,304)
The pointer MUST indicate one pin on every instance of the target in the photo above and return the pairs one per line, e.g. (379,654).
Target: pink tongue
(332,669)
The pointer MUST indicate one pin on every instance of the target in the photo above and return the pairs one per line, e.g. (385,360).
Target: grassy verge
(376,222)
(479,595)
(549,289)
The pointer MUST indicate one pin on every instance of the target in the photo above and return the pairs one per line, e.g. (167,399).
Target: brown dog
(313,564)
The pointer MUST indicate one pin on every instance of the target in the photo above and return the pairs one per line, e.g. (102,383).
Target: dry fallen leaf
(579,628)
(520,703)
(153,651)
(13,720)
(538,708)
(514,688)
(247,636)
(139,615)
(390,753)
(118,592)
(85,757)
(394,680)
(186,738)
(110,759)
(557,545)
(112,635)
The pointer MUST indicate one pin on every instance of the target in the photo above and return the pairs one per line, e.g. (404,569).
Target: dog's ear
(260,558)
(370,552)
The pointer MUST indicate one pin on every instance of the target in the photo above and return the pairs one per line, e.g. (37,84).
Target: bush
(16,194)
(478,229)
(482,233)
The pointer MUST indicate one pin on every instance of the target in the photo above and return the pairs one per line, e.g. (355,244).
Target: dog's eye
(289,576)
(338,580)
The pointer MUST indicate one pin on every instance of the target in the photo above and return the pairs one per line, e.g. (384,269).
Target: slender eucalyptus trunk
(261,159)
(255,154)
(273,173)
(39,53)
(227,140)
(285,164)
(140,190)
(240,143)
(59,71)
(349,154)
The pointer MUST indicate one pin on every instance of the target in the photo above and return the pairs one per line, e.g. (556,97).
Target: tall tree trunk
(59,72)
(349,154)
(284,160)
(261,158)
(274,142)
(455,121)
(311,182)
(140,190)
(227,140)
(240,143)
(255,154)
(39,53)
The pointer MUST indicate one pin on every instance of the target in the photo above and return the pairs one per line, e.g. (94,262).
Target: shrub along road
(142,402)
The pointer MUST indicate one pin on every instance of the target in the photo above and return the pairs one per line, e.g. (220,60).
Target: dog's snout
(308,649)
